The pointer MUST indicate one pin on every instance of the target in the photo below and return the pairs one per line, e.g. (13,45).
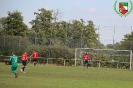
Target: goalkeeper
(14,62)
(86,58)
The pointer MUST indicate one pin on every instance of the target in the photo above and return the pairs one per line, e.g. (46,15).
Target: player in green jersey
(14,62)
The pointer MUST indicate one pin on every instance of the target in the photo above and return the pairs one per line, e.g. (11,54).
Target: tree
(45,25)
(110,46)
(14,24)
(42,22)
(89,35)
(56,14)
(126,43)
(61,30)
(76,29)
(2,21)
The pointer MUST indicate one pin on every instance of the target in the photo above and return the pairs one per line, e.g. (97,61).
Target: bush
(56,52)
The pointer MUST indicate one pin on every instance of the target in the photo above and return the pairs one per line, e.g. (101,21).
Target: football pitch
(49,76)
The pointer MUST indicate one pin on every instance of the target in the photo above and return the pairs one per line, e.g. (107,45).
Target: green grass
(48,76)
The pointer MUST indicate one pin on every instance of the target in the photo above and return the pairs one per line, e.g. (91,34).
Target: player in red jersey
(24,61)
(34,56)
(86,58)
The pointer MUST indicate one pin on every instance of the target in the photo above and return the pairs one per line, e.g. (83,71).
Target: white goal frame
(105,49)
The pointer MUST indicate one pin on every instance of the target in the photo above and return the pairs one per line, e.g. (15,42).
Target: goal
(121,58)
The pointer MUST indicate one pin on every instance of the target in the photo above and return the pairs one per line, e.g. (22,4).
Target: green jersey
(14,61)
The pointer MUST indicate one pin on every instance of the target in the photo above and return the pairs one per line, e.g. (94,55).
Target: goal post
(105,55)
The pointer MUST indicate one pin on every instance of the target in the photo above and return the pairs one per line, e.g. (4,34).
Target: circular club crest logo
(123,8)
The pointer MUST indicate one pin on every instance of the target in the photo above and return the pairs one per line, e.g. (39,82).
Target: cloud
(92,10)
(47,8)
(76,8)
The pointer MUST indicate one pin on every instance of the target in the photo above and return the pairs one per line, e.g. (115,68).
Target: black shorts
(85,61)
(35,60)
(24,62)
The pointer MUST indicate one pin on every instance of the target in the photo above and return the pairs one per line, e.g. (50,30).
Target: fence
(20,44)
(42,60)
(71,62)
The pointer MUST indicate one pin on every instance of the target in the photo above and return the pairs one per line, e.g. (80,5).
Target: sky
(101,12)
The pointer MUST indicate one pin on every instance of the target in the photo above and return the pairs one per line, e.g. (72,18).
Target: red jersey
(86,57)
(24,56)
(34,55)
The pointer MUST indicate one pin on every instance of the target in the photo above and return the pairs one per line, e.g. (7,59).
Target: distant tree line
(47,25)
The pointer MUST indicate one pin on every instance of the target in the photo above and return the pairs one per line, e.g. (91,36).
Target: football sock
(23,68)
(14,72)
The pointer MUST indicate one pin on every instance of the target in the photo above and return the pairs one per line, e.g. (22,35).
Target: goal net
(105,57)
